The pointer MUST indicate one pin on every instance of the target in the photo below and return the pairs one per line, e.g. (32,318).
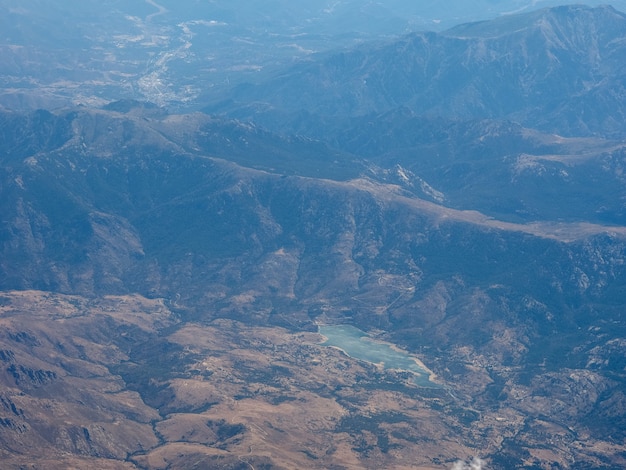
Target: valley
(183,57)
(314,239)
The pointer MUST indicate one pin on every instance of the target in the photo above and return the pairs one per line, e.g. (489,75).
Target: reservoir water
(357,344)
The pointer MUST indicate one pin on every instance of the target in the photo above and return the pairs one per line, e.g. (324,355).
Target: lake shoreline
(353,339)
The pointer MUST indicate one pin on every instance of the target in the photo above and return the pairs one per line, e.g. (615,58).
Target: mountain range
(558,70)
(459,195)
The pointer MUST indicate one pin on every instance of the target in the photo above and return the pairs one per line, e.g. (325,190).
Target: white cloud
(474,464)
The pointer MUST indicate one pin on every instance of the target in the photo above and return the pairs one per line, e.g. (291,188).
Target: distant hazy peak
(510,23)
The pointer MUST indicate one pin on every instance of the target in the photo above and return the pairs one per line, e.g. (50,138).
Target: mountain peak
(512,24)
(557,69)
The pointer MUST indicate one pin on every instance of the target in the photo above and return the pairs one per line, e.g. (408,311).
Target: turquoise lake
(357,344)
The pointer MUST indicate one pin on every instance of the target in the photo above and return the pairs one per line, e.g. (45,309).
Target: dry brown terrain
(118,382)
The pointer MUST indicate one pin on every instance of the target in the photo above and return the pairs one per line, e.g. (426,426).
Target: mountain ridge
(476,76)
